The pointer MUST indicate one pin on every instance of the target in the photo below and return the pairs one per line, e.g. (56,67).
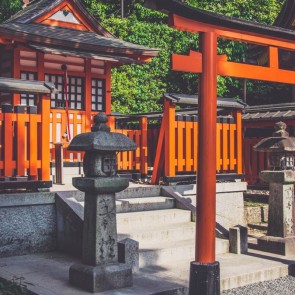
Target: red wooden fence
(177,147)
(254,162)
(27,143)
(24,149)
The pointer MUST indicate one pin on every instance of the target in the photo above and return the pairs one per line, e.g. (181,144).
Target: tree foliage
(8,8)
(136,88)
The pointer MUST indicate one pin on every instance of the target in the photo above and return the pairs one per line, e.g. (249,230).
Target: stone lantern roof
(101,139)
(279,142)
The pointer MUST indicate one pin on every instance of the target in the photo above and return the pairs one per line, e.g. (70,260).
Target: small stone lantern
(100,270)
(281,177)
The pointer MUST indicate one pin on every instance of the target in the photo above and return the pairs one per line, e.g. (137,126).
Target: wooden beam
(5,41)
(193,63)
(273,57)
(188,25)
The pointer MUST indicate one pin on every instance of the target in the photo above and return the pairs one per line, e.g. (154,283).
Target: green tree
(8,8)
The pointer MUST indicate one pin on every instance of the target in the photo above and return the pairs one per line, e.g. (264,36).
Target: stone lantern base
(280,237)
(100,278)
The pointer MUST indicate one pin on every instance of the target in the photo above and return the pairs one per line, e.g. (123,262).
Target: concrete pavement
(47,274)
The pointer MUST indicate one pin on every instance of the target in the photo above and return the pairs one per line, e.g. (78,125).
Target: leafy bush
(17,286)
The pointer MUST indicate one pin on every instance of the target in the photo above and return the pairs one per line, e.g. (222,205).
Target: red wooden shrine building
(50,40)
(58,41)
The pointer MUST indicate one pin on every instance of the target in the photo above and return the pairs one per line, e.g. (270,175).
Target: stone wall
(28,223)
(229,204)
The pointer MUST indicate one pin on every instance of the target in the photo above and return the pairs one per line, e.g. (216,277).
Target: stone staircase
(166,240)
(165,233)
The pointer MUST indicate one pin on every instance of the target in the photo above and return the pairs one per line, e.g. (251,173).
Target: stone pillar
(100,270)
(280,232)
(280,214)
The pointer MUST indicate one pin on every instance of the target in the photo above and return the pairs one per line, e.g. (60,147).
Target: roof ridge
(37,8)
(32,2)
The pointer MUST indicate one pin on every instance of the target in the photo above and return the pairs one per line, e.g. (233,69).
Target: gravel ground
(283,286)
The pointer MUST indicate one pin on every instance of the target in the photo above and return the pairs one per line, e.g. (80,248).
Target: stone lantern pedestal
(100,270)
(280,237)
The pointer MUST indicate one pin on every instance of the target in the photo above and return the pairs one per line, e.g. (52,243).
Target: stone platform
(47,274)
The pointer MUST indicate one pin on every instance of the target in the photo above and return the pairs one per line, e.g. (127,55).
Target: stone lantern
(281,177)
(100,270)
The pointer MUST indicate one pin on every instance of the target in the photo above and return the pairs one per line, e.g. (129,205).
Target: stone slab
(238,240)
(284,176)
(100,278)
(128,253)
(282,246)
(48,275)
(26,199)
(28,223)
(101,185)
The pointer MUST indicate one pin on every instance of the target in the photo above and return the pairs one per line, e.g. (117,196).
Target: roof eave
(181,9)
(24,37)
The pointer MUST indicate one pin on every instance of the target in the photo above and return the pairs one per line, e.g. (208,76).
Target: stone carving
(109,212)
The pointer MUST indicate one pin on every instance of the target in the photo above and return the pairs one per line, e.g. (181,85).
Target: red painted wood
(206,177)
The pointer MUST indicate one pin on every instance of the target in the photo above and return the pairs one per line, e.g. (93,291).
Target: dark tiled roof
(79,53)
(9,85)
(192,100)
(276,112)
(181,9)
(33,10)
(57,36)
(37,8)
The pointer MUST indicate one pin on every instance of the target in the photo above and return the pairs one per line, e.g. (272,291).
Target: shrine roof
(181,9)
(192,100)
(37,8)
(74,39)
(282,111)
(85,54)
(9,85)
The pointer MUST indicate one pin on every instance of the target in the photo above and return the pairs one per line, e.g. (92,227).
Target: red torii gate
(204,277)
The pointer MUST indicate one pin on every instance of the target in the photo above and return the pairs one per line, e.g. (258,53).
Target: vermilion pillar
(204,274)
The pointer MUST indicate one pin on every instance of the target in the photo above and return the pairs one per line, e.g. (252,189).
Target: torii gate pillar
(204,272)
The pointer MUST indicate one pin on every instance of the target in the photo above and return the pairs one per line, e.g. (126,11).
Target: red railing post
(45,138)
(8,143)
(169,113)
(143,145)
(239,144)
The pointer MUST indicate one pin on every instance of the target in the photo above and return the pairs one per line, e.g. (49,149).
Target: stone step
(252,268)
(167,252)
(262,226)
(151,218)
(158,233)
(144,204)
